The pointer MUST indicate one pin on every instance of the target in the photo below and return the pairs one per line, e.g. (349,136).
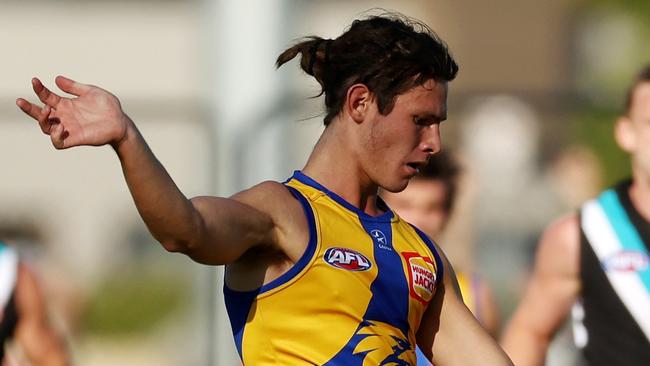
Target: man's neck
(338,170)
(640,194)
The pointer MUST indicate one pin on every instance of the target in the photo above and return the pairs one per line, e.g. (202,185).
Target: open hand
(93,117)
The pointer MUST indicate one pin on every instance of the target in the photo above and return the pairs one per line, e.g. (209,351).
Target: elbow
(175,246)
(183,240)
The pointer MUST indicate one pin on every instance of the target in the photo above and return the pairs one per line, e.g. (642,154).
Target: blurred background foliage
(135,301)
(640,8)
(607,27)
(594,127)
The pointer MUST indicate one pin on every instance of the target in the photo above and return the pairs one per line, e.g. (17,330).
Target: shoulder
(562,236)
(270,197)
(276,200)
(444,268)
(559,246)
(263,191)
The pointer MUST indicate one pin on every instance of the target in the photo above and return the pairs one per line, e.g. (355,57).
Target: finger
(57,135)
(44,120)
(30,109)
(71,87)
(44,94)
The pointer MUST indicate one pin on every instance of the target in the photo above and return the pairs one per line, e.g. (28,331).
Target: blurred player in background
(595,265)
(427,202)
(24,320)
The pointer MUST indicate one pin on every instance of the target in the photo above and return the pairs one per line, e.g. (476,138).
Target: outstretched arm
(211,230)
(40,342)
(450,335)
(549,296)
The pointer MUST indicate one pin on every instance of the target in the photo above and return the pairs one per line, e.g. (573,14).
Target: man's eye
(421,121)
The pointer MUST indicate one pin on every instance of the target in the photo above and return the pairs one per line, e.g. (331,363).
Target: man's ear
(358,102)
(624,134)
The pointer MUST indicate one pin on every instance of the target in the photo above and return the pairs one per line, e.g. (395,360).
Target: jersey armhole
(436,255)
(307,256)
(239,303)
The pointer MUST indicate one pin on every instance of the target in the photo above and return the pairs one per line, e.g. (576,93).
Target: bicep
(259,216)
(448,329)
(446,287)
(228,228)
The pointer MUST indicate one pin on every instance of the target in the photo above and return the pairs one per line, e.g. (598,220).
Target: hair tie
(312,59)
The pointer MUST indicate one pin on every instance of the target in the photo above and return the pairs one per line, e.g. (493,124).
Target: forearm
(168,214)
(525,347)
(208,229)
(455,349)
(460,339)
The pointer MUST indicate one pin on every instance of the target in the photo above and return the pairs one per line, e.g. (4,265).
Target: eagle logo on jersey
(422,277)
(378,334)
(347,259)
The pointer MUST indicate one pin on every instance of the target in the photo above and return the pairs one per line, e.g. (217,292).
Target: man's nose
(431,142)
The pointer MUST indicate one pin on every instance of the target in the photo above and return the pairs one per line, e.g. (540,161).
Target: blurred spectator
(594,263)
(24,318)
(427,202)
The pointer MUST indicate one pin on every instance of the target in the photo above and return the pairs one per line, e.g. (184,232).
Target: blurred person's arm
(210,230)
(552,290)
(35,335)
(450,335)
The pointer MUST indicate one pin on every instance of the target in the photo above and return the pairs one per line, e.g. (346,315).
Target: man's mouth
(415,166)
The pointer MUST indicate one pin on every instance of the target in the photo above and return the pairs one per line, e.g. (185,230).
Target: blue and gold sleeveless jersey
(355,297)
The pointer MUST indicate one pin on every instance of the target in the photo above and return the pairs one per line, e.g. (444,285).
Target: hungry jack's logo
(422,277)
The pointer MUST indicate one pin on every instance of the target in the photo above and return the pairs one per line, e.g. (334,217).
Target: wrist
(128,136)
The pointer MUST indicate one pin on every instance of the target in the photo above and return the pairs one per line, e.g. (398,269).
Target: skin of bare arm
(448,326)
(553,288)
(424,204)
(211,230)
(40,342)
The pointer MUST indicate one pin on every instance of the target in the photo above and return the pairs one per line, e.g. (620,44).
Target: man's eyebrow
(434,116)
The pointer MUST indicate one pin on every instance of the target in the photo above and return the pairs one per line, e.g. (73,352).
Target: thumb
(71,87)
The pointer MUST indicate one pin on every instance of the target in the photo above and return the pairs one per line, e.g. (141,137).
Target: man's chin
(396,187)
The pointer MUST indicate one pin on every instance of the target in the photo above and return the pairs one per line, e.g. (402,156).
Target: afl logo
(347,259)
(626,261)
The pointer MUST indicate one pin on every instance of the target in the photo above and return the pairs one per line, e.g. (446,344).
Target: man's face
(397,144)
(422,204)
(638,126)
